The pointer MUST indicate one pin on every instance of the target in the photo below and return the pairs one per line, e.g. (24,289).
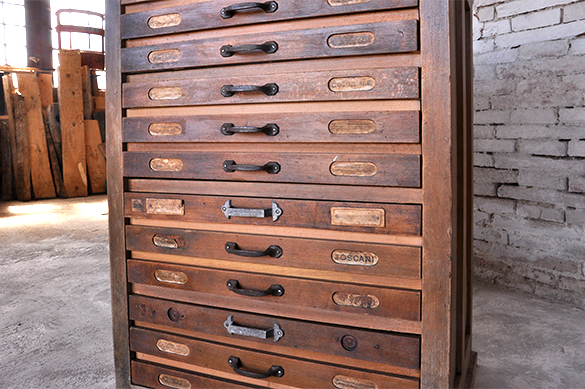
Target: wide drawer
(361,84)
(331,127)
(339,168)
(366,259)
(347,345)
(285,295)
(399,219)
(206,15)
(339,41)
(264,369)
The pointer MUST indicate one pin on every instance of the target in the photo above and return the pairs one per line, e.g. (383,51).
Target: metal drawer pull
(228,12)
(230,129)
(273,290)
(269,89)
(234,329)
(272,251)
(269,47)
(228,211)
(234,362)
(231,166)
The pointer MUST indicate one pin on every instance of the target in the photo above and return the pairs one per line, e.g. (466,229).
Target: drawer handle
(235,329)
(269,167)
(273,290)
(230,129)
(272,251)
(269,89)
(228,12)
(274,371)
(269,47)
(228,211)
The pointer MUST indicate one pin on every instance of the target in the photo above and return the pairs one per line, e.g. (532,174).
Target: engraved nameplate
(165,93)
(343,382)
(352,84)
(171,277)
(165,207)
(356,300)
(352,126)
(363,217)
(162,129)
(354,258)
(353,169)
(164,56)
(173,348)
(336,3)
(168,242)
(161,21)
(173,382)
(353,39)
(166,164)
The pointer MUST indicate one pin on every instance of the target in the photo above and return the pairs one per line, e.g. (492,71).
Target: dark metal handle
(230,129)
(269,167)
(228,12)
(276,332)
(273,290)
(274,371)
(272,251)
(228,211)
(269,89)
(267,47)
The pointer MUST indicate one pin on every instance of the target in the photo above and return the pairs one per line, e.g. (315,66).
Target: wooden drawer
(348,346)
(361,84)
(291,372)
(285,295)
(339,41)
(339,168)
(330,127)
(206,15)
(154,376)
(399,219)
(324,255)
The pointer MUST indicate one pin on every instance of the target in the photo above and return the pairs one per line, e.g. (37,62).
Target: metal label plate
(166,164)
(359,217)
(164,56)
(354,258)
(353,169)
(343,382)
(336,3)
(165,93)
(162,21)
(173,382)
(356,300)
(167,346)
(352,126)
(352,84)
(353,39)
(165,207)
(165,129)
(171,277)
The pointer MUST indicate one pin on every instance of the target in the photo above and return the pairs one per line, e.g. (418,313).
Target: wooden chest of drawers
(290,193)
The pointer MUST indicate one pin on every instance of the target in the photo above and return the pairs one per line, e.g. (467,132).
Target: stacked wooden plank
(52,149)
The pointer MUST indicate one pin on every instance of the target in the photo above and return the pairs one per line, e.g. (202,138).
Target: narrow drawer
(206,15)
(264,369)
(339,41)
(154,376)
(342,169)
(285,295)
(399,219)
(361,84)
(338,256)
(349,346)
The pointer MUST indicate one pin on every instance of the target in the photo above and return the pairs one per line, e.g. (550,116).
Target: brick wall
(530,146)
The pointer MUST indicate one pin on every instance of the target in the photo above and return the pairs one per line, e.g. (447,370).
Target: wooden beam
(46,88)
(6,166)
(53,158)
(23,179)
(96,163)
(87,95)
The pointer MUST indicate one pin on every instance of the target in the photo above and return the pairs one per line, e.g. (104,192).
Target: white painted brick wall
(529,60)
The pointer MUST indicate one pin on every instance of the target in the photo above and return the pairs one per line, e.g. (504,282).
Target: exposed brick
(481,102)
(540,35)
(536,19)
(510,8)
(558,265)
(577,217)
(574,11)
(574,81)
(528,210)
(496,28)
(546,196)
(562,66)
(485,14)
(544,49)
(495,205)
(492,117)
(543,147)
(533,116)
(479,218)
(553,215)
(537,212)
(578,46)
(483,45)
(540,179)
(529,93)
(496,57)
(577,148)
(539,132)
(490,235)
(483,3)
(484,72)
(482,159)
(494,145)
(483,132)
(572,115)
(537,163)
(577,184)
(484,189)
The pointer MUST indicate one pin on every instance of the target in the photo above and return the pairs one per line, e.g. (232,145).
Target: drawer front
(370,84)
(331,127)
(284,294)
(363,39)
(264,333)
(341,169)
(395,219)
(338,256)
(206,15)
(158,377)
(291,372)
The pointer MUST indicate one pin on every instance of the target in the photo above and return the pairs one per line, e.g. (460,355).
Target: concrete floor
(55,318)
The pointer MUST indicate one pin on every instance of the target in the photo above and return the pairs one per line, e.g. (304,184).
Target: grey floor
(55,310)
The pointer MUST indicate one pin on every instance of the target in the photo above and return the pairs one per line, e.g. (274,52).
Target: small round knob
(349,343)
(174,314)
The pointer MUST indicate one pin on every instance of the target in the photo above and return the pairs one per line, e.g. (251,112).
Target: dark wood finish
(299,295)
(298,373)
(205,15)
(55,129)
(401,351)
(22,172)
(399,219)
(6,159)
(396,83)
(54,161)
